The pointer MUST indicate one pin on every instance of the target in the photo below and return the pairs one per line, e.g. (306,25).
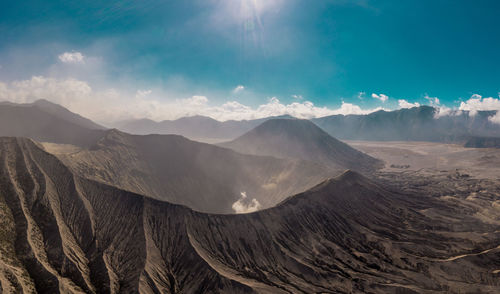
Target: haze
(249,146)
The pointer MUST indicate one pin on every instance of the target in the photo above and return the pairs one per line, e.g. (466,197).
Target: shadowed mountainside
(297,138)
(200,128)
(61,233)
(47,122)
(414,124)
(202,176)
(172,168)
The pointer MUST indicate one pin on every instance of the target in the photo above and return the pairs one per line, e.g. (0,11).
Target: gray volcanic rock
(48,122)
(204,177)
(61,233)
(296,138)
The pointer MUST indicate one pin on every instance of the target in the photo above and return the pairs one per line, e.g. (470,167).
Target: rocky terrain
(91,210)
(61,233)
(204,177)
(431,158)
(296,138)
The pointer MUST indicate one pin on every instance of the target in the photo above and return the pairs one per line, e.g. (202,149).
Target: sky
(244,59)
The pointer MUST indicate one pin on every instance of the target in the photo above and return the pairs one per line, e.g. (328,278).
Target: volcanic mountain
(199,128)
(422,123)
(297,138)
(61,233)
(202,176)
(46,121)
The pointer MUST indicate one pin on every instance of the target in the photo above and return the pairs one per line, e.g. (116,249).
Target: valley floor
(429,157)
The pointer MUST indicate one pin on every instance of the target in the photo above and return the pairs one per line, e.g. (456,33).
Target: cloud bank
(111,105)
(477,103)
(405,104)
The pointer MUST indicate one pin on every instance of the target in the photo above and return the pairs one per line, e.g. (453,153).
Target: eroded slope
(66,234)
(202,176)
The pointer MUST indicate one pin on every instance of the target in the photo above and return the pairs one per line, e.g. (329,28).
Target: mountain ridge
(296,138)
(421,123)
(193,127)
(49,122)
(67,234)
(205,177)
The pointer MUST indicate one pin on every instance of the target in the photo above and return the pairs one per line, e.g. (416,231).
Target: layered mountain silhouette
(49,122)
(414,124)
(296,138)
(61,233)
(202,176)
(198,128)
(166,167)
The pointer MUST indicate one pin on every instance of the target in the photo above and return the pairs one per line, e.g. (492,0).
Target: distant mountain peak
(45,101)
(302,139)
(45,121)
(64,113)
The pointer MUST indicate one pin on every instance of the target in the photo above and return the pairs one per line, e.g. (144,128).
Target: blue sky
(327,52)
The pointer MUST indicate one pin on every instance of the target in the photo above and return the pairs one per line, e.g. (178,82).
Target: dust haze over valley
(249,146)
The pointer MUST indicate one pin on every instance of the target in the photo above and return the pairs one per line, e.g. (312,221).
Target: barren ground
(429,158)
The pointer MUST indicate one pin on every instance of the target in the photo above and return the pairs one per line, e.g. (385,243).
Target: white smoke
(245,205)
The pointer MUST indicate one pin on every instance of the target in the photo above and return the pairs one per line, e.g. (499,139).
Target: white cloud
(381,97)
(245,205)
(306,109)
(238,89)
(361,95)
(434,101)
(195,101)
(297,97)
(443,111)
(477,103)
(143,93)
(405,104)
(110,105)
(71,57)
(495,118)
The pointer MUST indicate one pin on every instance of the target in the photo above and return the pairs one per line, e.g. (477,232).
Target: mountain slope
(295,138)
(202,176)
(198,128)
(63,113)
(65,234)
(45,121)
(414,124)
(483,142)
